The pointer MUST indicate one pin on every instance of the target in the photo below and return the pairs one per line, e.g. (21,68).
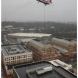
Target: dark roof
(21,71)
(11,66)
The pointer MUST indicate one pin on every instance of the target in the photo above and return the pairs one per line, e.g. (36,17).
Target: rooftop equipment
(43,70)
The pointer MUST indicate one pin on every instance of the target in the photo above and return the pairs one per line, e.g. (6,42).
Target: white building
(62,64)
(29,35)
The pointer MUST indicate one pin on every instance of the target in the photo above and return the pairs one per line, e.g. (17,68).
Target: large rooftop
(61,40)
(36,43)
(13,49)
(42,70)
(41,45)
(29,35)
(60,49)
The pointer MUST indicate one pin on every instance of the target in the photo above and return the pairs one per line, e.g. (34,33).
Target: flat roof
(57,72)
(11,66)
(30,34)
(14,49)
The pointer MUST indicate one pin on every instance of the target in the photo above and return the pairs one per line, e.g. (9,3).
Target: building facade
(66,49)
(41,51)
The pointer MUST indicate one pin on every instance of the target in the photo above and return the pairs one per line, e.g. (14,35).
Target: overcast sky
(31,10)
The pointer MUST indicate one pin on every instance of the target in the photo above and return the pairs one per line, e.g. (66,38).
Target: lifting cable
(44,18)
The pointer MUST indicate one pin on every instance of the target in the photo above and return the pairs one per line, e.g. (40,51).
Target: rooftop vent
(43,70)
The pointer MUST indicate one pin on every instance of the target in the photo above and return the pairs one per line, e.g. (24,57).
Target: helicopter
(45,1)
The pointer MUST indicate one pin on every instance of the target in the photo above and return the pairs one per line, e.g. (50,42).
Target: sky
(31,10)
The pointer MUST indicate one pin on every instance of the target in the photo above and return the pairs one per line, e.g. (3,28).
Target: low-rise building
(15,54)
(70,46)
(64,46)
(29,35)
(41,36)
(41,51)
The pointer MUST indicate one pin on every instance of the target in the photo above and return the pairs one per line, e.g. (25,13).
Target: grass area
(74,64)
